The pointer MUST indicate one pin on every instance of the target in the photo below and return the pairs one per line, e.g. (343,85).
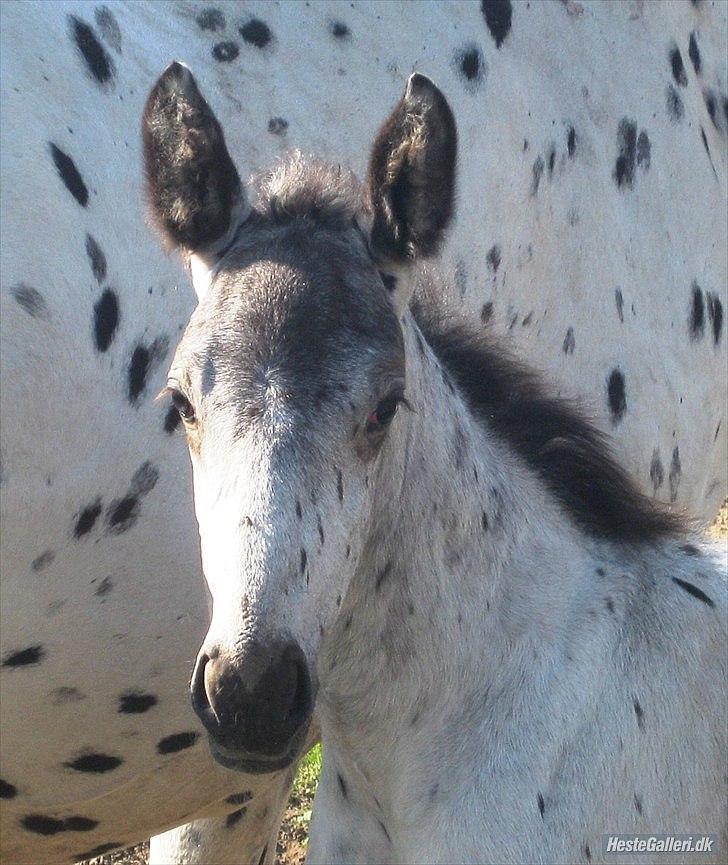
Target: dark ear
(193,188)
(411,182)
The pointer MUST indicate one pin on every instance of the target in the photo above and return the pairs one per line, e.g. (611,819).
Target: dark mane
(565,449)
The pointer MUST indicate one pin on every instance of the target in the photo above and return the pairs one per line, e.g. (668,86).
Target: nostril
(198,690)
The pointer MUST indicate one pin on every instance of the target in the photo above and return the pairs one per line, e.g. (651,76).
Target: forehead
(298,309)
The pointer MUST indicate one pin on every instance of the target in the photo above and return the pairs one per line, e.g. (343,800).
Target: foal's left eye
(382,415)
(183,405)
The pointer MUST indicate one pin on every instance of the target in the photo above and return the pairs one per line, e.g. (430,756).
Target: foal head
(288,379)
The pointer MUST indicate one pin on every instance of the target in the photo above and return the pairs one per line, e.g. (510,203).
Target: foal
(511,652)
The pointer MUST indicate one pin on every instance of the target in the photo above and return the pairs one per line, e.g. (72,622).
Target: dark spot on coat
(675,107)
(715,316)
(552,160)
(135,703)
(694,591)
(627,154)
(98,61)
(320,528)
(712,106)
(239,798)
(338,29)
(484,521)
(141,360)
(145,479)
(172,420)
(638,804)
(299,509)
(569,341)
(609,604)
(98,850)
(7,790)
(541,805)
(94,763)
(587,853)
(342,786)
(64,694)
(40,824)
(177,742)
(571,141)
(639,713)
(137,374)
(657,473)
(694,53)
(494,258)
(678,69)
(690,550)
(122,514)
(536,173)
(235,817)
(211,19)
(97,259)
(277,126)
(109,27)
(469,61)
(619,300)
(256,32)
(675,473)
(104,587)
(225,51)
(616,395)
(644,151)
(31,300)
(79,824)
(498,15)
(696,320)
(340,485)
(69,174)
(382,575)
(304,560)
(86,519)
(106,319)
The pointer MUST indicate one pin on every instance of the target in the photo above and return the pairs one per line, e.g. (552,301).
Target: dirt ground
(291,848)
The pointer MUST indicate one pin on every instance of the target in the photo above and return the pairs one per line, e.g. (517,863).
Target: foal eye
(183,406)
(382,415)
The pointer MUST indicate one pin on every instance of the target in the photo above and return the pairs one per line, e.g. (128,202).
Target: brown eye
(382,415)
(183,406)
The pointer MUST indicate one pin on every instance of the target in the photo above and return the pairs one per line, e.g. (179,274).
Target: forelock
(302,186)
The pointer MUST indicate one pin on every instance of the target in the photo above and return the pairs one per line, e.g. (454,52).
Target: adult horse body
(611,205)
(512,651)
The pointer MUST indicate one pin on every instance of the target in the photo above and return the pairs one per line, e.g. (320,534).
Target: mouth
(258,764)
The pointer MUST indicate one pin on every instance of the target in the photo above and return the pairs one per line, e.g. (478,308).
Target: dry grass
(293,837)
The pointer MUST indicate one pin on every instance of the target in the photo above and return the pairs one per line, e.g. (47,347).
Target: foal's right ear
(194,191)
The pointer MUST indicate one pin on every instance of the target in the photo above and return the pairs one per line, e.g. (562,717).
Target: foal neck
(467,556)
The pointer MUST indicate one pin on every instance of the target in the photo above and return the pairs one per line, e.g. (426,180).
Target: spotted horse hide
(593,172)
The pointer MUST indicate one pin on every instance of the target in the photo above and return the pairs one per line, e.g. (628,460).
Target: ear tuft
(412,168)
(192,185)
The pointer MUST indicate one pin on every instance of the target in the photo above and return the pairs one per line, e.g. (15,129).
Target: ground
(293,836)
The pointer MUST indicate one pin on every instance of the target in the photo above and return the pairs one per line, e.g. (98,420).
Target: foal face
(288,379)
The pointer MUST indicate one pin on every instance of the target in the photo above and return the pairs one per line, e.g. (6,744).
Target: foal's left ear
(411,180)
(193,188)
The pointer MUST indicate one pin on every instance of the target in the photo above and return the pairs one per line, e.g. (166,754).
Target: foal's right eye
(183,405)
